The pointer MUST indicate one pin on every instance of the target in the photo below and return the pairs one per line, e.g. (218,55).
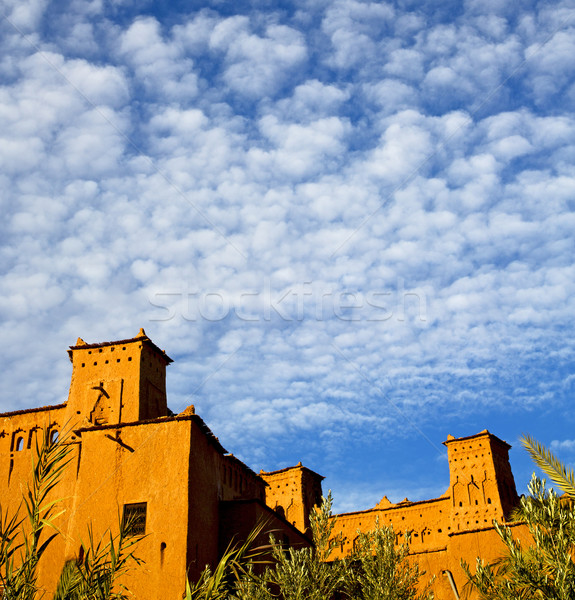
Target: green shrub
(377,569)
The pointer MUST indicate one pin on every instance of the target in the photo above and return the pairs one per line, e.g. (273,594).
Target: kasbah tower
(132,458)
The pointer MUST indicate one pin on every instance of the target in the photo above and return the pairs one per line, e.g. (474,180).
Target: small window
(135,518)
(54,436)
(19,444)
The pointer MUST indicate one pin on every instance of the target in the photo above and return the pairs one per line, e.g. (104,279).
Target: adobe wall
(144,464)
(427,521)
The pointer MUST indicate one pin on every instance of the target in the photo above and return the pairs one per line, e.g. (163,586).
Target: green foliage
(95,577)
(302,574)
(380,569)
(544,568)
(377,570)
(235,565)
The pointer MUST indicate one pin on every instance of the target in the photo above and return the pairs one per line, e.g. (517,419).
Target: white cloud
(344,244)
(563,445)
(25,15)
(311,100)
(299,150)
(550,64)
(159,65)
(256,65)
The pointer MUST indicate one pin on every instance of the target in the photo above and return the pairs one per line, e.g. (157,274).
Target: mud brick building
(131,456)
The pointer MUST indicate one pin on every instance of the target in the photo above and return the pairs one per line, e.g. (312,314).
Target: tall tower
(117,382)
(481,482)
(293,492)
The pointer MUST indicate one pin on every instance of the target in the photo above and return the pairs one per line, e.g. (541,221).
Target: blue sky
(350,223)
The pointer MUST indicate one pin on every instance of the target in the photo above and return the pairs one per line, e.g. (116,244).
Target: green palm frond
(234,565)
(561,475)
(69,583)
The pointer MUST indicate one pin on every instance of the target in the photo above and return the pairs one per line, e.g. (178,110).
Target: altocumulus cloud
(351,223)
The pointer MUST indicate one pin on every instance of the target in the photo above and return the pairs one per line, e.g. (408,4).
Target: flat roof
(33,410)
(141,337)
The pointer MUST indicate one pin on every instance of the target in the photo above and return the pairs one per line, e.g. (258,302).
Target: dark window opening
(135,518)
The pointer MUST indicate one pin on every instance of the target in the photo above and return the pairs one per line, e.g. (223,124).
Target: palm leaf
(561,475)
(234,563)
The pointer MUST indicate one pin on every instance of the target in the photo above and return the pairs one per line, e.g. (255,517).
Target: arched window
(54,436)
(19,444)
